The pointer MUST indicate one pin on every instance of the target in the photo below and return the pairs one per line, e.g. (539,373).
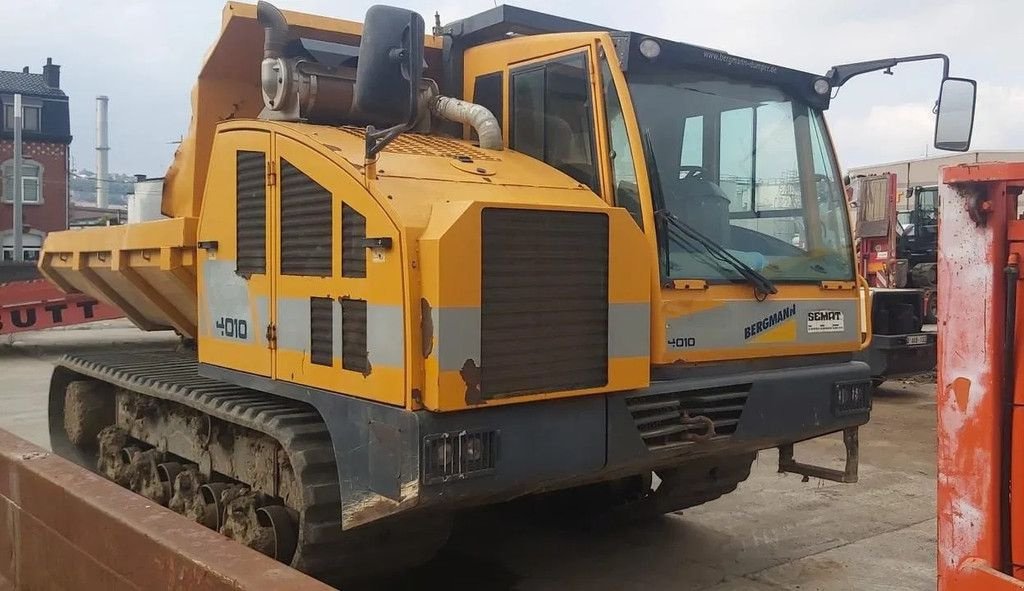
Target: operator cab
(725,163)
(742,155)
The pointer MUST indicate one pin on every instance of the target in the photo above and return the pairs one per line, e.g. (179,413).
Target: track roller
(282,522)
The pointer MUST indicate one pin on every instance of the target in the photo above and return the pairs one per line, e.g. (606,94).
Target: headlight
(849,398)
(444,453)
(822,86)
(473,449)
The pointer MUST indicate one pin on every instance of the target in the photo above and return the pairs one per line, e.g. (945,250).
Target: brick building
(46,137)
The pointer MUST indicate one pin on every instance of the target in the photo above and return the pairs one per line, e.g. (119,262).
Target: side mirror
(390,67)
(955,120)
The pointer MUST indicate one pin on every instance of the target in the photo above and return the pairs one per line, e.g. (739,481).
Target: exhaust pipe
(275,27)
(478,117)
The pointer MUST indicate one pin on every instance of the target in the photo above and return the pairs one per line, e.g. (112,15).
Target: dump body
(147,270)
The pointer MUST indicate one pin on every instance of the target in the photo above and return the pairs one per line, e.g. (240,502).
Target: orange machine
(980,397)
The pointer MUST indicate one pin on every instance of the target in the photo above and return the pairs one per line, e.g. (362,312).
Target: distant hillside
(83,186)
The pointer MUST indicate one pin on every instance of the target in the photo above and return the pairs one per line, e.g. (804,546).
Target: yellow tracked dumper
(417,273)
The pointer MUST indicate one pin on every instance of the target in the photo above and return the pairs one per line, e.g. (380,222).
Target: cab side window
(552,116)
(627,194)
(487,91)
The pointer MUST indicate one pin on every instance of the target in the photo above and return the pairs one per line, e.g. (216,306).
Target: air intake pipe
(275,29)
(476,116)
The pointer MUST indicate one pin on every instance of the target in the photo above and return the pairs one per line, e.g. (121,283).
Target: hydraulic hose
(1012,272)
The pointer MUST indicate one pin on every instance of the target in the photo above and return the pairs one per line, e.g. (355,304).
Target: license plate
(851,398)
(917,339)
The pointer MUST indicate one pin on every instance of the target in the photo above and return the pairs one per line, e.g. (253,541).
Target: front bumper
(558,444)
(894,355)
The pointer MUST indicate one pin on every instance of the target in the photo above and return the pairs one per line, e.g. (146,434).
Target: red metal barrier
(38,304)
(63,527)
(981,244)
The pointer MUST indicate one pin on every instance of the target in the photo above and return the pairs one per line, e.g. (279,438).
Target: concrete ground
(775,532)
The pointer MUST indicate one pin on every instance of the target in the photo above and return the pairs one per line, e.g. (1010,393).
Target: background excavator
(414,274)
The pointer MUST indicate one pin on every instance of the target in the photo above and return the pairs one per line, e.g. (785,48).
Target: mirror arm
(838,75)
(378,139)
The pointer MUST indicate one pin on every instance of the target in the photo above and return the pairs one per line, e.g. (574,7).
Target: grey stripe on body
(629,330)
(724,326)
(385,331)
(226,296)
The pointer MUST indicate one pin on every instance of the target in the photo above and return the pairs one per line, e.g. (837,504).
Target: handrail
(865,312)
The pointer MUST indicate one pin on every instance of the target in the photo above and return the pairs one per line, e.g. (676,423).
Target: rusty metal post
(977,213)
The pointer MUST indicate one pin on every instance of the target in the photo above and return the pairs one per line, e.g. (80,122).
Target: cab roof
(503,21)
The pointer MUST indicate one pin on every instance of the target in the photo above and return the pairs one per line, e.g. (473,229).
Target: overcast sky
(144,54)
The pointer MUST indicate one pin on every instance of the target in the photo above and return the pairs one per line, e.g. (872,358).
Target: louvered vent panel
(305,224)
(667,419)
(353,232)
(354,356)
(544,315)
(321,331)
(251,212)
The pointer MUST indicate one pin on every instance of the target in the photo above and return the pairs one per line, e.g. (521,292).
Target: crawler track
(323,550)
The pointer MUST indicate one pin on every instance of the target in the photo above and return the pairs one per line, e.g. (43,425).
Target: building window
(30,117)
(28,253)
(31,244)
(31,182)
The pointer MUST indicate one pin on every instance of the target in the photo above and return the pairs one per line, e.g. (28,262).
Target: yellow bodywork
(425,194)
(430,205)
(675,304)
(228,88)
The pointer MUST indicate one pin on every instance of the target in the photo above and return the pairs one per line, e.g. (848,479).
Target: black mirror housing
(954,121)
(390,67)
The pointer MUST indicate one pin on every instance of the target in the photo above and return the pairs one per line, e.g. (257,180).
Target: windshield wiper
(762,285)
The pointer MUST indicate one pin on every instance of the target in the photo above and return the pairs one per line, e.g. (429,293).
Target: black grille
(354,356)
(251,212)
(544,301)
(353,252)
(321,331)
(305,224)
(455,456)
(671,418)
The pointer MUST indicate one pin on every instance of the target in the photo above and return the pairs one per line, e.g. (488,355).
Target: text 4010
(232,328)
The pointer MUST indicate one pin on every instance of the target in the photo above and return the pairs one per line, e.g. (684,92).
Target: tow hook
(702,422)
(847,475)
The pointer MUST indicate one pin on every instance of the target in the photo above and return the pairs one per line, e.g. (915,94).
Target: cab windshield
(747,166)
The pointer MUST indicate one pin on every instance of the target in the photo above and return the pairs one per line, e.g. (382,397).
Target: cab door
(337,304)
(236,255)
(543,91)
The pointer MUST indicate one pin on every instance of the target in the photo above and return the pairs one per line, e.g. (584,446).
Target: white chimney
(102,151)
